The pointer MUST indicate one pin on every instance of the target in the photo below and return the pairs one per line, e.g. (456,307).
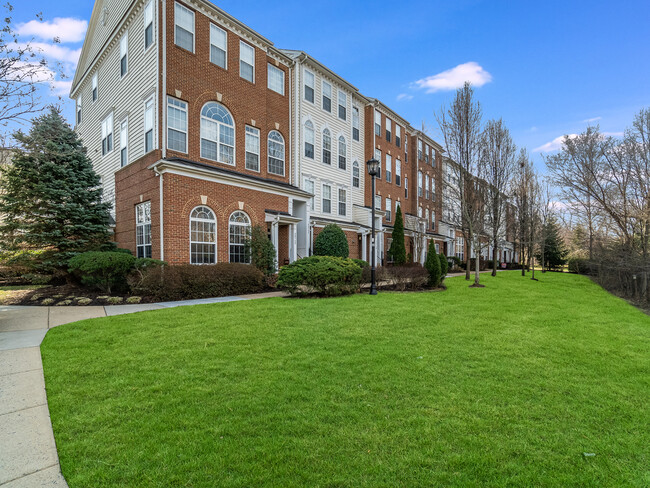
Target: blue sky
(546,68)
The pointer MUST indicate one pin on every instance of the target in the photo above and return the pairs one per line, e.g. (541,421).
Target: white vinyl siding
(218,46)
(177,125)
(246,62)
(275,79)
(183,27)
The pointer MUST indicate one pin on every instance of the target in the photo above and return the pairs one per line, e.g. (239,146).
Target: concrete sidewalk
(28,456)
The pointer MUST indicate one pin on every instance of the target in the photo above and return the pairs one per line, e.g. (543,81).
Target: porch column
(293,238)
(364,246)
(274,239)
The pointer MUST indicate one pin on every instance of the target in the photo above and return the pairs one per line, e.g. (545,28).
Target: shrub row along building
(200,128)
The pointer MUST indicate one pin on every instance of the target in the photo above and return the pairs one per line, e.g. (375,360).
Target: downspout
(164,124)
(160,204)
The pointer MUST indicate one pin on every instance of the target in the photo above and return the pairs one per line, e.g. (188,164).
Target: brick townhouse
(200,128)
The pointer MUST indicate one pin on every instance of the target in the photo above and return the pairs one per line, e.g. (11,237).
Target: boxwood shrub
(103,270)
(325,275)
(331,242)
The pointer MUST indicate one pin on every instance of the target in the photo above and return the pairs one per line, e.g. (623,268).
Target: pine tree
(444,266)
(397,248)
(432,264)
(52,199)
(553,246)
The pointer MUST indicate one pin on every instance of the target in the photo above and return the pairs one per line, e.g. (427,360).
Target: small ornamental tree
(331,242)
(397,248)
(552,245)
(444,266)
(51,198)
(261,250)
(432,264)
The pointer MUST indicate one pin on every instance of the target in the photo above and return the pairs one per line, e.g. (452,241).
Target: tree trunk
(477,270)
(468,260)
(495,253)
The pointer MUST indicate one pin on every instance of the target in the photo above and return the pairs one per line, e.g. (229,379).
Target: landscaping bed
(64,295)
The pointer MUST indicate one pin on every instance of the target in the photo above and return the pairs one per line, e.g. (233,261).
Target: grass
(503,386)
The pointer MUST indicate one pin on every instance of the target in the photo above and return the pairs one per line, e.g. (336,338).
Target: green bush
(444,266)
(140,266)
(103,270)
(331,242)
(397,249)
(580,266)
(326,275)
(261,250)
(188,281)
(432,265)
(361,263)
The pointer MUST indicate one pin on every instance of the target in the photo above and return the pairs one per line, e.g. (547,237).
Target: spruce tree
(52,199)
(397,248)
(444,266)
(553,246)
(432,264)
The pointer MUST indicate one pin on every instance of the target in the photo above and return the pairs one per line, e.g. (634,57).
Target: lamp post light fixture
(373,170)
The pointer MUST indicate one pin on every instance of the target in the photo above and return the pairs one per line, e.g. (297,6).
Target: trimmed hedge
(325,275)
(188,281)
(444,266)
(331,242)
(581,266)
(103,270)
(432,264)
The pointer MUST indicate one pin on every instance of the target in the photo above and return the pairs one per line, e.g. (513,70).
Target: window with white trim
(326,200)
(426,217)
(426,154)
(143,230)
(378,158)
(183,27)
(406,187)
(389,129)
(406,148)
(389,168)
(398,135)
(327,96)
(398,172)
(276,153)
(389,207)
(275,79)
(148,24)
(420,183)
(176,125)
(433,220)
(433,188)
(218,46)
(148,125)
(343,199)
(420,149)
(309,140)
(238,232)
(355,175)
(426,187)
(107,134)
(246,61)
(124,143)
(217,133)
(377,123)
(355,123)
(378,202)
(124,54)
(95,87)
(327,147)
(309,187)
(252,144)
(309,86)
(203,236)
(79,110)
(342,153)
(343,105)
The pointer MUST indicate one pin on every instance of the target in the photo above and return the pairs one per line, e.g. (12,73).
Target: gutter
(161,205)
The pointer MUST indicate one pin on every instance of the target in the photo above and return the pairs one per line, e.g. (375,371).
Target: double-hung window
(389,168)
(342,153)
(183,27)
(148,24)
(426,187)
(124,54)
(377,202)
(377,123)
(327,147)
(124,143)
(275,79)
(389,206)
(327,97)
(355,175)
(95,89)
(246,61)
(398,135)
(143,230)
(406,148)
(398,172)
(389,129)
(378,158)
(326,205)
(419,149)
(309,187)
(355,123)
(433,220)
(406,187)
(276,153)
(252,148)
(342,201)
(309,140)
(420,183)
(309,86)
(426,154)
(176,125)
(148,125)
(107,134)
(79,110)
(218,46)
(217,134)
(343,104)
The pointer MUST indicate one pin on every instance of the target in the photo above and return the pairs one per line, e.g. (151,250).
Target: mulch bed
(66,295)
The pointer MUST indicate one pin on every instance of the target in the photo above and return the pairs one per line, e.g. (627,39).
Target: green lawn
(503,386)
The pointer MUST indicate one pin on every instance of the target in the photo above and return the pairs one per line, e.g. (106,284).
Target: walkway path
(28,456)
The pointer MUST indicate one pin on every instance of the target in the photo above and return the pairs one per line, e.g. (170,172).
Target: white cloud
(404,97)
(455,78)
(594,119)
(61,88)
(67,29)
(32,72)
(556,144)
(56,52)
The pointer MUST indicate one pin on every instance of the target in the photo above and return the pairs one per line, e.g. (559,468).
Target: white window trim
(345,105)
(345,202)
(105,133)
(242,43)
(216,236)
(246,151)
(78,111)
(312,201)
(322,198)
(124,144)
(212,24)
(322,95)
(94,86)
(193,26)
(271,68)
(153,125)
(124,46)
(149,5)
(268,156)
(178,130)
(304,84)
(143,224)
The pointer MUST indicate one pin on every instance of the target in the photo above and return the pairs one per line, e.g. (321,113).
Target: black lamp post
(373,170)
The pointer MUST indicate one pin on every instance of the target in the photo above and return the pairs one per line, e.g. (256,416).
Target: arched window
(237,235)
(327,147)
(355,174)
(203,236)
(309,139)
(276,153)
(342,153)
(217,133)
